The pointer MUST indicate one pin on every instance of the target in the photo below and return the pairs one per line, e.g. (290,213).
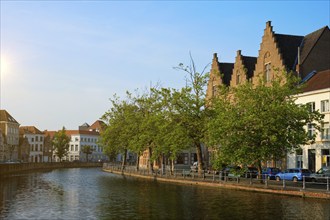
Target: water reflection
(93,194)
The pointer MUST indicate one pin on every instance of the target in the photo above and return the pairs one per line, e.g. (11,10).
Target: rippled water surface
(89,193)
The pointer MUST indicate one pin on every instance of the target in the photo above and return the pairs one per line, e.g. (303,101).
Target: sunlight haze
(61,61)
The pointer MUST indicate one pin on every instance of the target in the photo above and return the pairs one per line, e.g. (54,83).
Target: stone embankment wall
(21,167)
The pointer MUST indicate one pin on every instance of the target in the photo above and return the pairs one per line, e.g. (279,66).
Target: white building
(36,141)
(80,139)
(85,136)
(317,93)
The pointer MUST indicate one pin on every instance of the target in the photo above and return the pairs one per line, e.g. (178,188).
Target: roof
(29,130)
(309,42)
(320,80)
(72,132)
(5,116)
(249,64)
(85,125)
(226,69)
(288,45)
(98,125)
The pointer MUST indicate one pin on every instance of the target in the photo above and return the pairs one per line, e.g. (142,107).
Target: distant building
(10,137)
(35,139)
(86,135)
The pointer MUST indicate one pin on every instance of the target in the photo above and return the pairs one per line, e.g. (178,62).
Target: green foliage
(61,143)
(87,149)
(190,104)
(254,123)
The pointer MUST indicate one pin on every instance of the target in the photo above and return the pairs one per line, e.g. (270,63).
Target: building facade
(10,137)
(302,55)
(35,139)
(315,155)
(86,135)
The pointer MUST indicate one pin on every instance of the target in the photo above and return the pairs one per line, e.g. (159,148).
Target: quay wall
(287,192)
(22,167)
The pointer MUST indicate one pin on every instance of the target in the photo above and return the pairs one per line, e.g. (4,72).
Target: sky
(61,61)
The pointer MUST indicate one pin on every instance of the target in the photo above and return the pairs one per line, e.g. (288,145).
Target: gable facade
(243,69)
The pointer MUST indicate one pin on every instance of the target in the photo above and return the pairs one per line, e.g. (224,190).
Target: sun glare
(4,67)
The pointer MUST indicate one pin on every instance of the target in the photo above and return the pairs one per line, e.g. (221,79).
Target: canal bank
(260,188)
(11,168)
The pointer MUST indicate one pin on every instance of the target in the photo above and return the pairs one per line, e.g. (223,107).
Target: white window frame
(325,105)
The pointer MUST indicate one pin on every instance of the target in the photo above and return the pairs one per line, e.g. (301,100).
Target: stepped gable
(29,130)
(288,48)
(5,116)
(250,64)
(320,80)
(225,70)
(309,42)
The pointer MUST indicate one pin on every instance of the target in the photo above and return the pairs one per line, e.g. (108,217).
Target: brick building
(306,56)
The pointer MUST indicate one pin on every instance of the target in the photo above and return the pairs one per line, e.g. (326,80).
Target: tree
(122,121)
(256,123)
(190,104)
(61,143)
(87,149)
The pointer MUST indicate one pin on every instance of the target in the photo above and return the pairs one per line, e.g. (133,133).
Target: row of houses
(306,56)
(29,144)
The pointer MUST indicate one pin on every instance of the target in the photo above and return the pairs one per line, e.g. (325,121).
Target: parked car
(294,174)
(232,171)
(270,173)
(251,172)
(321,175)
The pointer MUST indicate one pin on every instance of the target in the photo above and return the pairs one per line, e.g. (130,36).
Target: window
(32,139)
(76,147)
(267,71)
(311,106)
(325,157)
(325,131)
(325,106)
(37,138)
(41,138)
(40,147)
(238,77)
(71,147)
(311,130)
(299,156)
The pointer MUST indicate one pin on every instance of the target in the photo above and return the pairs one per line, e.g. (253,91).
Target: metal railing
(323,184)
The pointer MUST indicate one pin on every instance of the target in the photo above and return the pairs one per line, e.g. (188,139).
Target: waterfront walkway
(300,189)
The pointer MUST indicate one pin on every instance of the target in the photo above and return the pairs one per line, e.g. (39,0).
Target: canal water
(90,193)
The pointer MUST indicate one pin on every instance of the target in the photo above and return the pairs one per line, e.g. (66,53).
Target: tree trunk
(151,167)
(259,170)
(199,157)
(123,164)
(138,162)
